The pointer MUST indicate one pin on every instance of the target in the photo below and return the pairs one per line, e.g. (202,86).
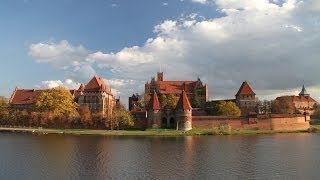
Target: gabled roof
(245,89)
(154,102)
(96,84)
(28,96)
(183,102)
(24,96)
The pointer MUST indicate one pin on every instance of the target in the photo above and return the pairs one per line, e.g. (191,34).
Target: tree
(57,100)
(172,101)
(122,116)
(282,105)
(316,112)
(168,101)
(263,107)
(195,99)
(163,100)
(228,108)
(85,116)
(4,110)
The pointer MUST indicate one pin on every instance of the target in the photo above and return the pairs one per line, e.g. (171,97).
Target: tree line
(56,108)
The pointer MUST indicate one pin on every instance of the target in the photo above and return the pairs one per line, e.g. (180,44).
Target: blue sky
(272,44)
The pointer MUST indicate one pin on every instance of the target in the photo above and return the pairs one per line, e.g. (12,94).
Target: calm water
(280,156)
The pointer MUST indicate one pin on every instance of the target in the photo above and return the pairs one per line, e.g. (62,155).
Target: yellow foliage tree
(228,108)
(57,100)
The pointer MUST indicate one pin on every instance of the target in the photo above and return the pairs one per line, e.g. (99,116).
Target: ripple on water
(282,156)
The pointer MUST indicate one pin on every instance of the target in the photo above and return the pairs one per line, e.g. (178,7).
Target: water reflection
(281,156)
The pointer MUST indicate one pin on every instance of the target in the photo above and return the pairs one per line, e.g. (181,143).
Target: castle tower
(303,92)
(160,76)
(246,98)
(154,113)
(184,113)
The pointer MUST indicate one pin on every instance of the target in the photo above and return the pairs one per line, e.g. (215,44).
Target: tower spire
(303,91)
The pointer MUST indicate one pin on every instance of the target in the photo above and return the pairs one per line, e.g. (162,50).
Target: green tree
(122,117)
(228,108)
(172,101)
(57,100)
(162,100)
(195,99)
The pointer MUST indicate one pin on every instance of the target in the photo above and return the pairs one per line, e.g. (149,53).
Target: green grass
(154,132)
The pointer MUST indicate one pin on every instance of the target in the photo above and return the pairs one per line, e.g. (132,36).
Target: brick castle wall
(288,122)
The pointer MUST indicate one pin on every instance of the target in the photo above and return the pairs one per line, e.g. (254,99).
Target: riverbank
(152,132)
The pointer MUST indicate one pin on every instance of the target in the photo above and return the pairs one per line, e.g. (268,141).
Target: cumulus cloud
(68,83)
(272,45)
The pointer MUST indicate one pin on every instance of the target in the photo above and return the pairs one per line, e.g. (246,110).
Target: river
(276,156)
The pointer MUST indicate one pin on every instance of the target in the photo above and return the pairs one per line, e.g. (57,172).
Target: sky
(272,44)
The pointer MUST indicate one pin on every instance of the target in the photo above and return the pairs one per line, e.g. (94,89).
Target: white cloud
(68,83)
(57,54)
(200,1)
(165,4)
(272,46)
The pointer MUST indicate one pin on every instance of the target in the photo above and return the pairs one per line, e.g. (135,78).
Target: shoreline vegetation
(152,132)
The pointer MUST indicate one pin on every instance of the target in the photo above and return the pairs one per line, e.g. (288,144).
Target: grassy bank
(149,132)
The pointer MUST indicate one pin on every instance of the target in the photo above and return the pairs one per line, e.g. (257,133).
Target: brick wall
(261,122)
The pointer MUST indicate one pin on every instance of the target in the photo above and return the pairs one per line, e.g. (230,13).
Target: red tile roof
(154,102)
(81,88)
(183,102)
(24,96)
(96,84)
(28,96)
(175,87)
(298,98)
(245,89)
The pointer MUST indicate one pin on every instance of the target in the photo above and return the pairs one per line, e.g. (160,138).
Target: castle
(302,103)
(185,117)
(95,94)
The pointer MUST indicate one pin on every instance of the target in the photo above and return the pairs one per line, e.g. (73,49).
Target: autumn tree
(283,105)
(85,116)
(228,108)
(4,110)
(57,100)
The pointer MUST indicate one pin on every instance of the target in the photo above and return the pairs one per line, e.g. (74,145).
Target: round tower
(184,113)
(153,112)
